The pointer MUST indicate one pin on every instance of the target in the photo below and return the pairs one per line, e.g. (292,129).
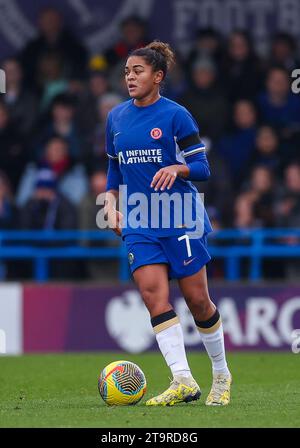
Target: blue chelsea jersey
(145,139)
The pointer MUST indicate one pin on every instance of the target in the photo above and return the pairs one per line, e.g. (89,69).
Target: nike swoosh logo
(117,133)
(185,263)
(215,356)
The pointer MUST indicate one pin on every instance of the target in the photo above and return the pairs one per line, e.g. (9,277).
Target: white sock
(171,344)
(214,344)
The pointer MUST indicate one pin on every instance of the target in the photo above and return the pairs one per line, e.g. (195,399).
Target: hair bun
(165,50)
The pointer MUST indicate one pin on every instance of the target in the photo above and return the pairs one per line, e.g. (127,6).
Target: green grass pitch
(61,391)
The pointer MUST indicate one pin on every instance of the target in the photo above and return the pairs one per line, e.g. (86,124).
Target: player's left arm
(196,167)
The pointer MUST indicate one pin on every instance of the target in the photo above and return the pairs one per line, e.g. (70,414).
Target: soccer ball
(122,383)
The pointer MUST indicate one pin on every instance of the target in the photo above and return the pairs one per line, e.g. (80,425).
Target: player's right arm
(114,217)
(114,179)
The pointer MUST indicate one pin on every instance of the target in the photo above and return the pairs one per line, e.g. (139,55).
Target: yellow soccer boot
(219,394)
(181,390)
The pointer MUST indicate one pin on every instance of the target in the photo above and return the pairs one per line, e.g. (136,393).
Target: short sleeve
(109,139)
(187,133)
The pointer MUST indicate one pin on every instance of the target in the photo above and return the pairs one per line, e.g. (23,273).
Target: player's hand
(115,219)
(165,177)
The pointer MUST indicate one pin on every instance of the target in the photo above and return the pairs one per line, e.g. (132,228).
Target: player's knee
(198,302)
(148,292)
(153,300)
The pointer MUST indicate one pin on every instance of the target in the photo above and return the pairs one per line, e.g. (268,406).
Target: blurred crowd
(52,125)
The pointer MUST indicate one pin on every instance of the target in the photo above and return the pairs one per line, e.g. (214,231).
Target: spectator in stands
(284,51)
(288,199)
(52,81)
(53,38)
(21,102)
(267,149)
(98,85)
(278,106)
(71,178)
(63,124)
(7,207)
(288,214)
(47,209)
(133,36)
(262,190)
(118,83)
(243,211)
(175,83)
(88,209)
(8,218)
(218,190)
(12,150)
(236,148)
(205,100)
(95,149)
(253,210)
(208,44)
(241,72)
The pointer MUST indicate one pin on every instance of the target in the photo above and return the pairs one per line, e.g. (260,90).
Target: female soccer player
(154,149)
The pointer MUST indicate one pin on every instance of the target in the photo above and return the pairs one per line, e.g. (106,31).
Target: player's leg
(150,271)
(152,281)
(209,324)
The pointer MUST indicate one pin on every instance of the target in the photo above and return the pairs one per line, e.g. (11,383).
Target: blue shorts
(185,256)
